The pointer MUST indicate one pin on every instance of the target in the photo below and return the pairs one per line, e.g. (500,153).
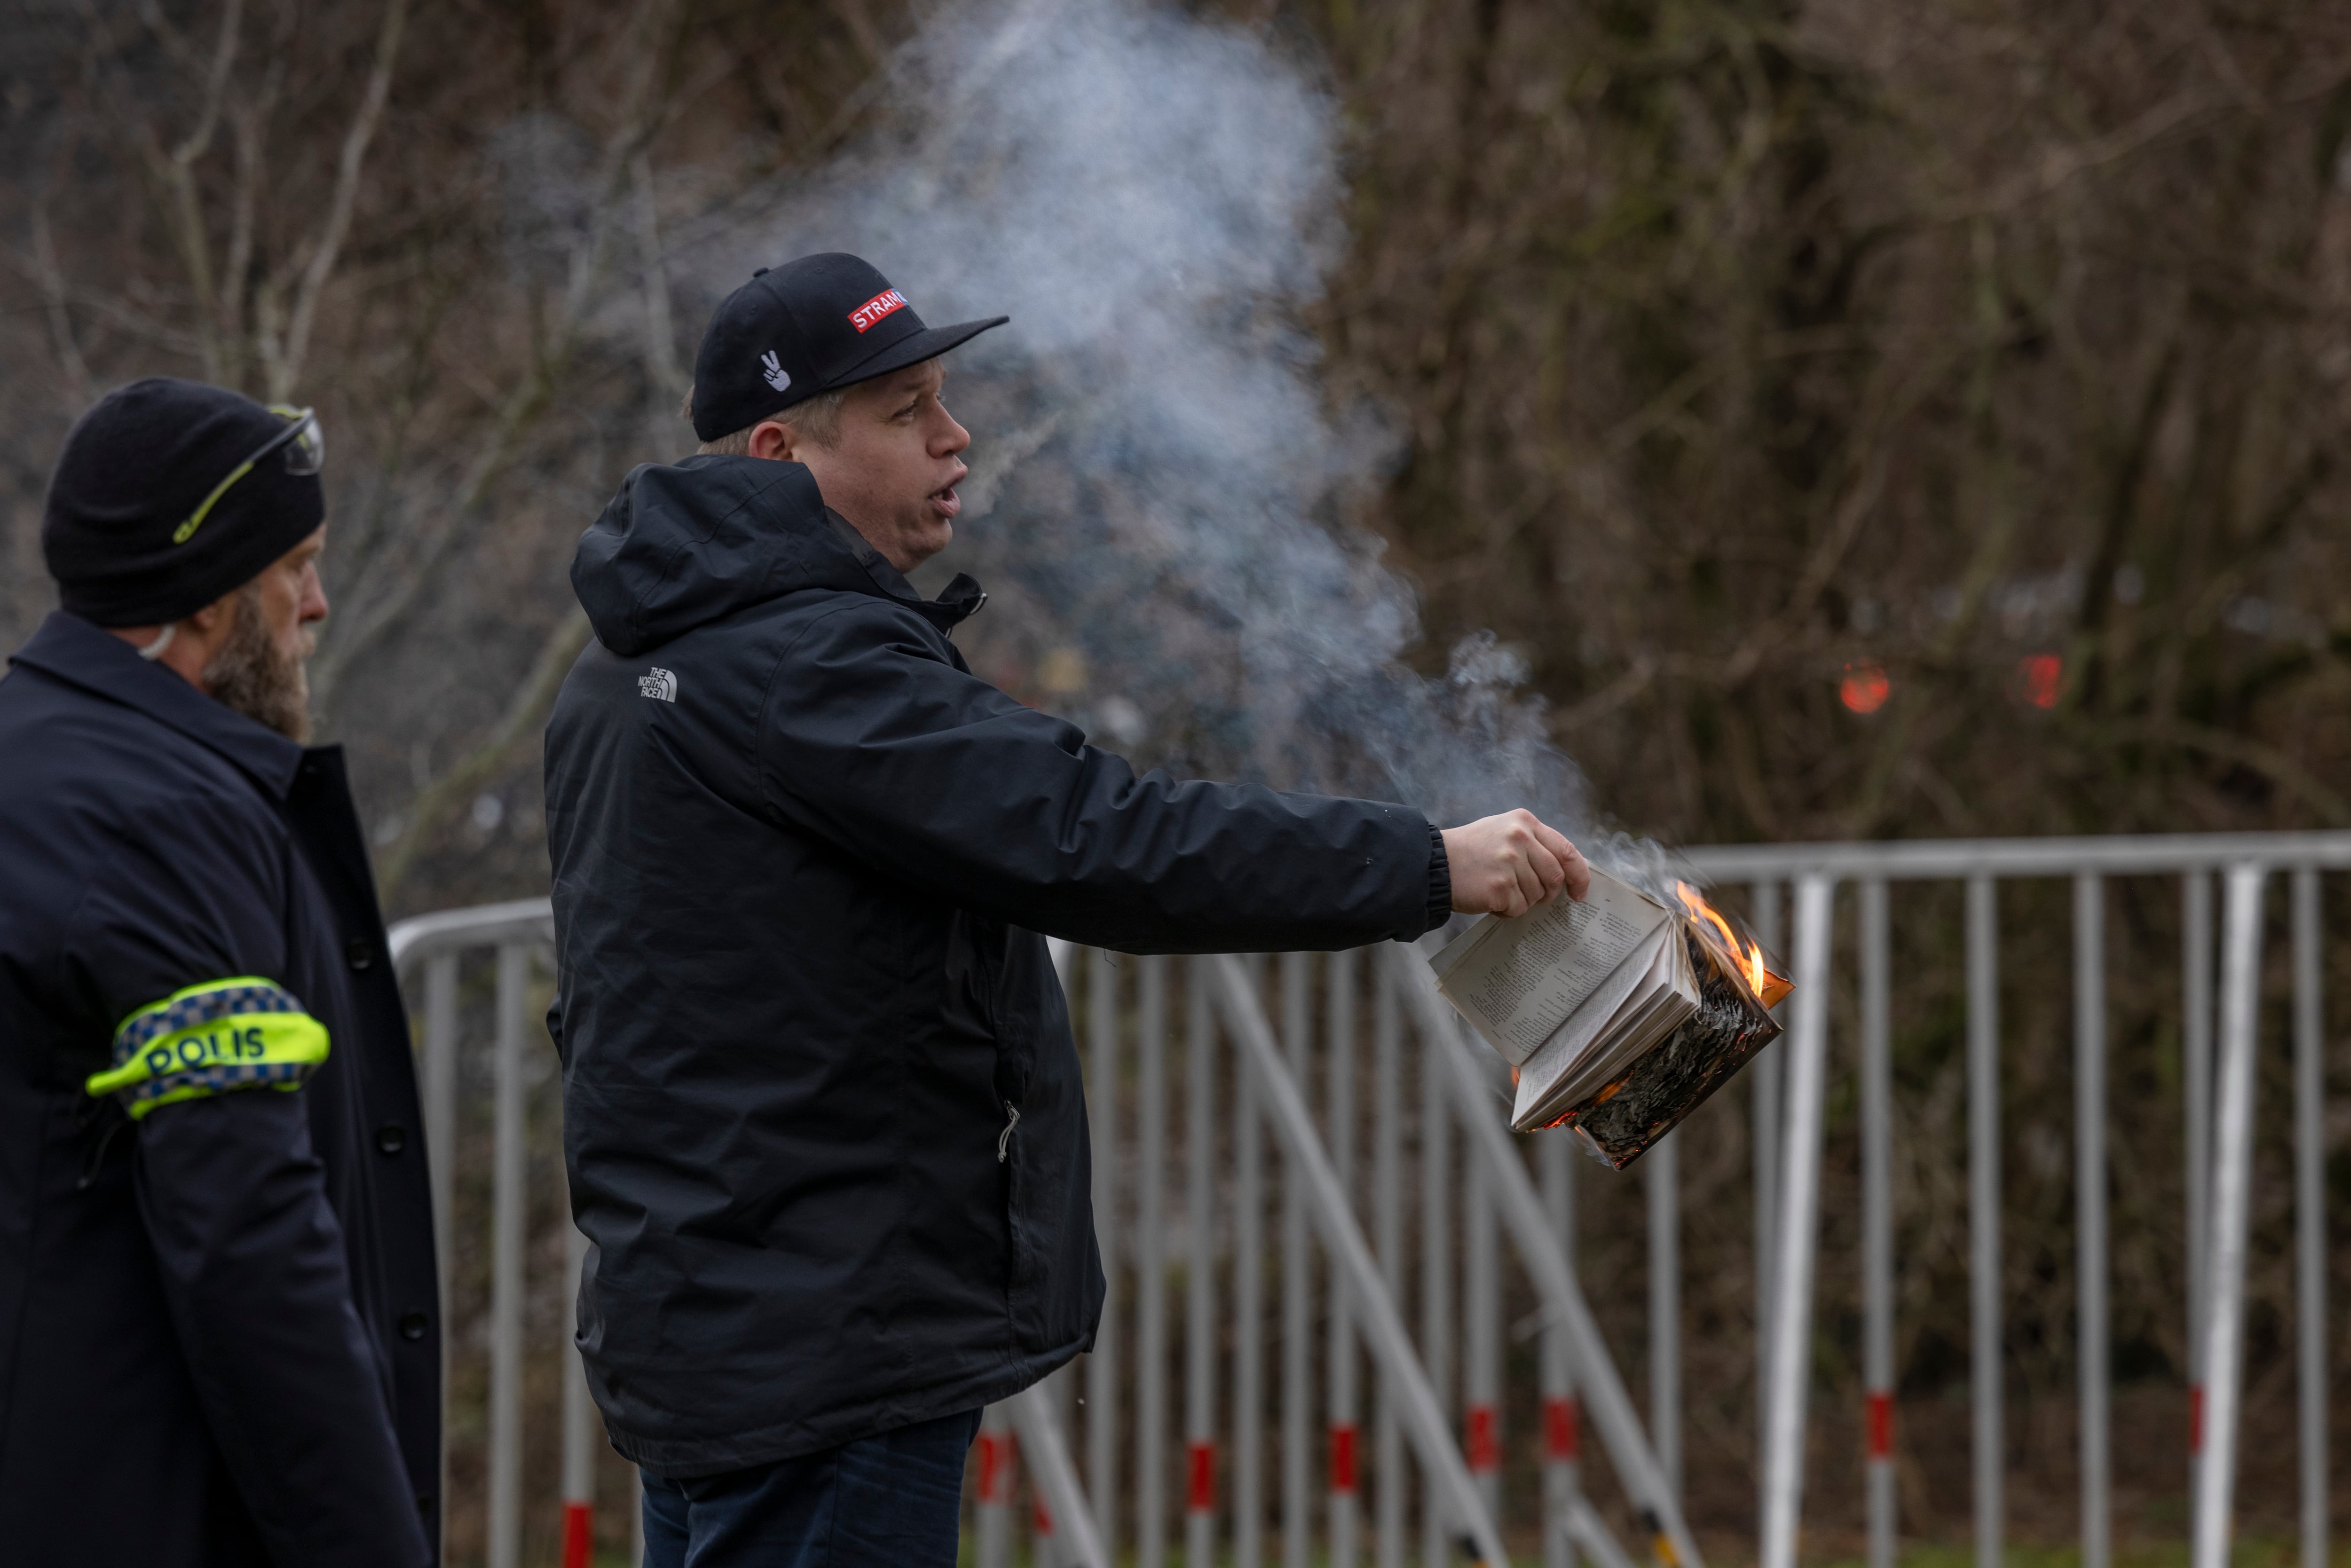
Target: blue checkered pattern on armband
(213,1080)
(203,1009)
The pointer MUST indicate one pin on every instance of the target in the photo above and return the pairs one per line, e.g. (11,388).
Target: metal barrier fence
(2218,1107)
(1190,1232)
(1398,1163)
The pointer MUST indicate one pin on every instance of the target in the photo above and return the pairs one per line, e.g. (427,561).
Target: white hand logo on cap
(777,377)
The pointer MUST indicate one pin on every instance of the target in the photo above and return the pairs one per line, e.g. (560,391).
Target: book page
(1553,1082)
(1460,947)
(1518,980)
(1565,1064)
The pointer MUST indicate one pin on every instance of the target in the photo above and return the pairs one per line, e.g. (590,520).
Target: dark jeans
(891,1501)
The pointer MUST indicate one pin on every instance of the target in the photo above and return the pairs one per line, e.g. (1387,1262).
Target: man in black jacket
(217,1318)
(821,1106)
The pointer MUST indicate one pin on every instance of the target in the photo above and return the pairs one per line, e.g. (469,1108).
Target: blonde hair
(816,420)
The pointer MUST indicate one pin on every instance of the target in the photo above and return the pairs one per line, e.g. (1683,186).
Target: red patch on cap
(874,309)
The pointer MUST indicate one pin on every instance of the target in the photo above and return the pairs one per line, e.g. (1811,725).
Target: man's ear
(204,623)
(774,441)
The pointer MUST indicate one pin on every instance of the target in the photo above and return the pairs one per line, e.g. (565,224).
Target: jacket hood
(684,544)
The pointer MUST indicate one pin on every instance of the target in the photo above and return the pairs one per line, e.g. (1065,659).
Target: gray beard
(252,676)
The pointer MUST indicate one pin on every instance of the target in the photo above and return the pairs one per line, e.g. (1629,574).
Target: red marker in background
(1201,1494)
(1560,1434)
(2040,679)
(1865,687)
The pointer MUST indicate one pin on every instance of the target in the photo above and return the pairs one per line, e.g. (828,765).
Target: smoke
(1162,492)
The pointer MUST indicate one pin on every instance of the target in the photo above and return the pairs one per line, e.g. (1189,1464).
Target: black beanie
(133,470)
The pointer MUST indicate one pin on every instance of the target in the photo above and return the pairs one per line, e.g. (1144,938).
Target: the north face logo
(874,309)
(772,367)
(658,684)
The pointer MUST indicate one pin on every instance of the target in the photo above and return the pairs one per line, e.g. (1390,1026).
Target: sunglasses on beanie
(304,443)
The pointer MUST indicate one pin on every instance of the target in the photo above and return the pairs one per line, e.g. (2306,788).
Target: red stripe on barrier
(1881,1424)
(995,1466)
(578,1533)
(1479,1443)
(1201,1495)
(1560,1434)
(1342,1457)
(2195,1417)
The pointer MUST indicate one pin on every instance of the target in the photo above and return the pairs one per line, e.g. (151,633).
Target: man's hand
(1506,865)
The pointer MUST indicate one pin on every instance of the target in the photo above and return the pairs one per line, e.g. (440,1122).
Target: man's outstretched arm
(938,780)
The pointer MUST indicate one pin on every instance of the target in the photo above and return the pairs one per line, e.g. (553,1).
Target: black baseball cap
(810,326)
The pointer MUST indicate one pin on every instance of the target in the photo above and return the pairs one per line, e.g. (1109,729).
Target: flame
(1749,956)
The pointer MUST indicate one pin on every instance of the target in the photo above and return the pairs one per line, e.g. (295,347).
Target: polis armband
(240,1033)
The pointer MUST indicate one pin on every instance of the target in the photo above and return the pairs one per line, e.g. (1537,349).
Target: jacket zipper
(1004,1138)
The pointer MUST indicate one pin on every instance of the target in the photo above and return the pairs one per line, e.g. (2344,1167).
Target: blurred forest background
(1860,420)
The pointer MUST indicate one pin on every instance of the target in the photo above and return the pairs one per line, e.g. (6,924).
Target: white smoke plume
(1162,492)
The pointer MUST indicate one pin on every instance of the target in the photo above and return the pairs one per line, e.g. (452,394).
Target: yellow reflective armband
(241,1033)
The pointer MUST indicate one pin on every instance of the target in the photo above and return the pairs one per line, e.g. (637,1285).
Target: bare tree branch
(76,389)
(515,737)
(327,249)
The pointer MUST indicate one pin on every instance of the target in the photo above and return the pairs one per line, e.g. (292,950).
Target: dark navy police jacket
(219,1334)
(822,1113)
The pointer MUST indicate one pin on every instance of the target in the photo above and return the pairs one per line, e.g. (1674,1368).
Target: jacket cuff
(1440,882)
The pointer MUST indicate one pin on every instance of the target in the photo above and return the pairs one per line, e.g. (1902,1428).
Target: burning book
(1618,1015)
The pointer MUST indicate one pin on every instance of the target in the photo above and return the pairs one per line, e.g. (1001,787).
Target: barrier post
(1248,1309)
(1985,1369)
(2310,1215)
(1339,1374)
(1297,1476)
(507,1213)
(1435,1271)
(1458,1502)
(1661,1177)
(1151,1266)
(581,1436)
(2232,1172)
(1561,1477)
(2096,1360)
(1387,1221)
(1878,1220)
(1200,1284)
(1800,1196)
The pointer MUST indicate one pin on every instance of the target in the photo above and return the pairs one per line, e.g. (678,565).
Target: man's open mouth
(945,502)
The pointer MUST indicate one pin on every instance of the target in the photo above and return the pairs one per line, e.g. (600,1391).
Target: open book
(1618,1015)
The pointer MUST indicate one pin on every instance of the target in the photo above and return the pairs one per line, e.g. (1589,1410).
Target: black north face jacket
(822,1113)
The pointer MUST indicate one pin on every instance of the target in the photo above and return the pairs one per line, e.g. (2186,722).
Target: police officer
(219,1334)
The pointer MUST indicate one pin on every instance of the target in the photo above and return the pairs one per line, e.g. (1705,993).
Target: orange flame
(1768,988)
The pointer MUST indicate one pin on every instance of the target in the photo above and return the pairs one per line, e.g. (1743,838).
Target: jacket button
(412,1323)
(358,952)
(390,1138)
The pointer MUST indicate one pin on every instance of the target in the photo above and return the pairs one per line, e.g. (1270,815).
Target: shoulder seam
(853,601)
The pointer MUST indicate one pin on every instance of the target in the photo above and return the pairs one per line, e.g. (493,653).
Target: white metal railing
(2219,1144)
(519,935)
(1222,1005)
(1381,1180)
